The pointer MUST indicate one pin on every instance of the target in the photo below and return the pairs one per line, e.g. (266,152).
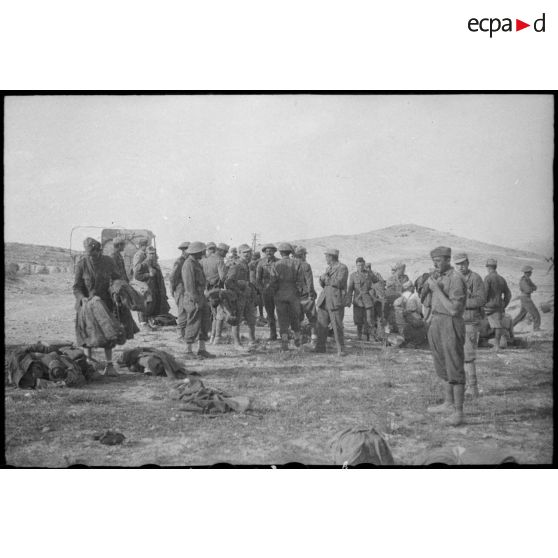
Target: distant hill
(16,252)
(412,244)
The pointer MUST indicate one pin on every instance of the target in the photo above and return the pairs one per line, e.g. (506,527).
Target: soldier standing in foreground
(476,299)
(196,307)
(331,302)
(238,280)
(526,286)
(446,334)
(498,296)
(359,295)
(286,274)
(263,282)
(307,293)
(177,288)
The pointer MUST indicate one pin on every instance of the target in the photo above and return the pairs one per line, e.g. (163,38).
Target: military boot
(359,332)
(284,342)
(297,338)
(457,417)
(235,330)
(218,336)
(448,405)
(189,352)
(202,353)
(471,374)
(272,332)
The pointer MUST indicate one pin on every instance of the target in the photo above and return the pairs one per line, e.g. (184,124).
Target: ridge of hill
(17,252)
(411,244)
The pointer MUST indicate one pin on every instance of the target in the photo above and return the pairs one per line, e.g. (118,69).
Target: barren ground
(300,400)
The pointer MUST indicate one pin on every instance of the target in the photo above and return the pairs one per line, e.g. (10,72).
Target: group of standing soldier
(212,286)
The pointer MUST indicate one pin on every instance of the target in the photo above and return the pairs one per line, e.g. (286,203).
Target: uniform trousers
(446,336)
(288,314)
(269,304)
(528,307)
(325,318)
(471,341)
(198,321)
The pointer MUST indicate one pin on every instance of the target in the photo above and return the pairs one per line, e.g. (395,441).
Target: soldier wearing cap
(379,297)
(286,274)
(139,256)
(118,244)
(476,299)
(264,285)
(194,303)
(238,280)
(446,334)
(359,294)
(253,265)
(526,286)
(331,302)
(215,270)
(177,287)
(498,296)
(306,293)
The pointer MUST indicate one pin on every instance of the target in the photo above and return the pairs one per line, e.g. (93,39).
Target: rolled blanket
(97,327)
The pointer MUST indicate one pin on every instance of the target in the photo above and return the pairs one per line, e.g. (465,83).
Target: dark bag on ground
(354,446)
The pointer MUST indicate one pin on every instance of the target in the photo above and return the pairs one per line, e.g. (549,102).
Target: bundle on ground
(199,399)
(354,446)
(33,365)
(152,361)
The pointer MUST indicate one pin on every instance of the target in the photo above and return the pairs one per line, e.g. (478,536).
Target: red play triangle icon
(519,25)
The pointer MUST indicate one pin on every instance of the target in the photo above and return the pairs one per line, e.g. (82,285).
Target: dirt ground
(300,400)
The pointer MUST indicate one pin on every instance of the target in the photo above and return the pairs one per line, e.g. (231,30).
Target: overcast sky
(222,167)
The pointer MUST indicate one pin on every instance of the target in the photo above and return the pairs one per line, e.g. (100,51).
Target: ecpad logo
(493,25)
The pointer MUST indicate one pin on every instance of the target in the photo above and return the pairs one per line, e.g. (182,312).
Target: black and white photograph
(257,279)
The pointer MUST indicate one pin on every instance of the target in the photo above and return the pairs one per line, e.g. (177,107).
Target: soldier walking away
(307,293)
(195,305)
(474,303)
(446,334)
(498,296)
(118,244)
(264,284)
(215,270)
(253,265)
(331,302)
(286,274)
(359,294)
(149,272)
(526,286)
(238,280)
(177,288)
